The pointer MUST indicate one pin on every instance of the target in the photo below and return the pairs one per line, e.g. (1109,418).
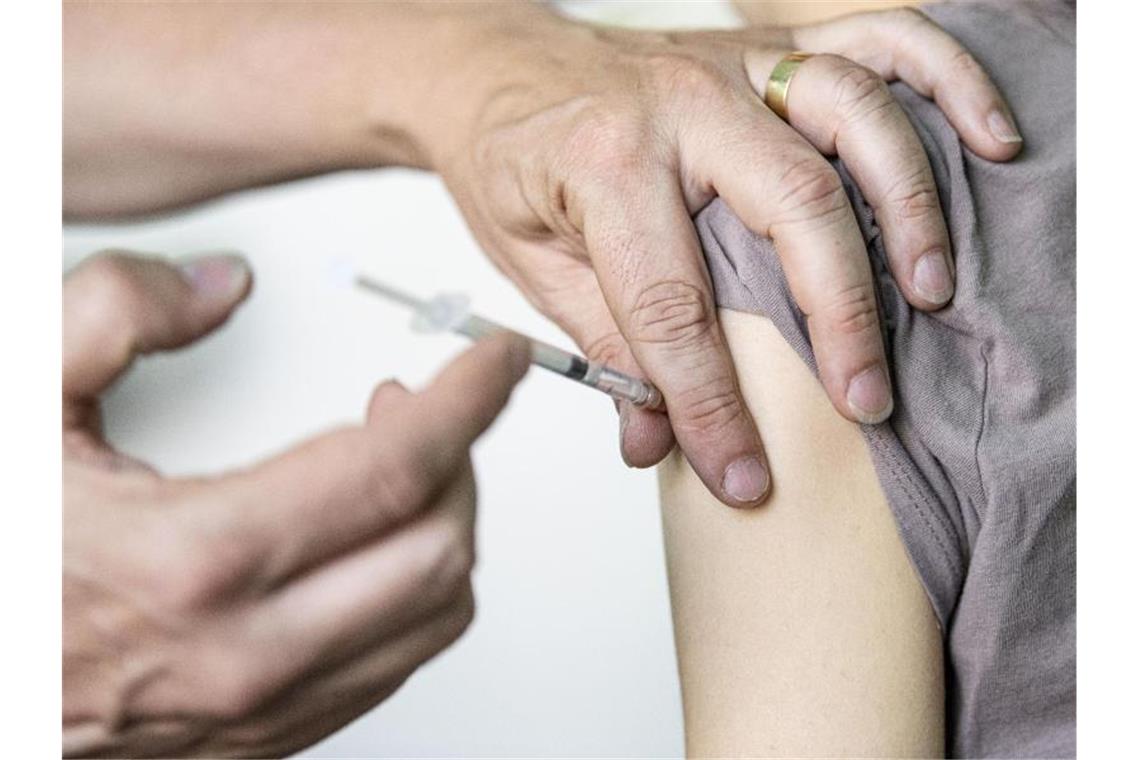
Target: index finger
(340,490)
(650,270)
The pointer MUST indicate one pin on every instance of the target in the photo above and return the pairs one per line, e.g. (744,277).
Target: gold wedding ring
(776,93)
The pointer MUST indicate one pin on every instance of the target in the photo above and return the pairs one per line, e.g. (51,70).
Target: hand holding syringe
(451,312)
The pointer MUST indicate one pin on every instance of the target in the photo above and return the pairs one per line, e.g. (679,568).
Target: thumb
(118,305)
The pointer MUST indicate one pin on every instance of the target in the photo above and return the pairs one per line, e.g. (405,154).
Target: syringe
(451,312)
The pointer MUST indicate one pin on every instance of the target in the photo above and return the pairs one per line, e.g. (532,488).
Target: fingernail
(869,395)
(1002,128)
(746,479)
(216,274)
(932,277)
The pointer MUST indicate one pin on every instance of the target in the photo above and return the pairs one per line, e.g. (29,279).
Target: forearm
(167,104)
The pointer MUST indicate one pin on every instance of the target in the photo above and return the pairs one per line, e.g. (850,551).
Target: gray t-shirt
(978,461)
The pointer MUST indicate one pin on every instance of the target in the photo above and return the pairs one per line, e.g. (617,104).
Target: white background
(571,652)
(1109,661)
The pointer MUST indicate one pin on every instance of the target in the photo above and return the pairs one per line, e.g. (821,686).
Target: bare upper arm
(794,12)
(801,627)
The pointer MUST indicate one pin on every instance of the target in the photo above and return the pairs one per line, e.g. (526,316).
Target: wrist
(452,62)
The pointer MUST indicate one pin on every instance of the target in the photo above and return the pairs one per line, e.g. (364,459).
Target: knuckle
(201,559)
(684,77)
(906,18)
(917,201)
(852,311)
(810,188)
(108,289)
(610,142)
(708,409)
(606,348)
(109,267)
(860,92)
(963,65)
(673,313)
(188,589)
(109,303)
(448,563)
(196,577)
(236,691)
(398,485)
(490,152)
(175,575)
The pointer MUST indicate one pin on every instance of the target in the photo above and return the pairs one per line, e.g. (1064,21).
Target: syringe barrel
(594,374)
(476,327)
(542,354)
(450,312)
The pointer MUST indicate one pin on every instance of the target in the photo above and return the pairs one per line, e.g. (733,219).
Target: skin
(253,613)
(577,155)
(802,629)
(797,12)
